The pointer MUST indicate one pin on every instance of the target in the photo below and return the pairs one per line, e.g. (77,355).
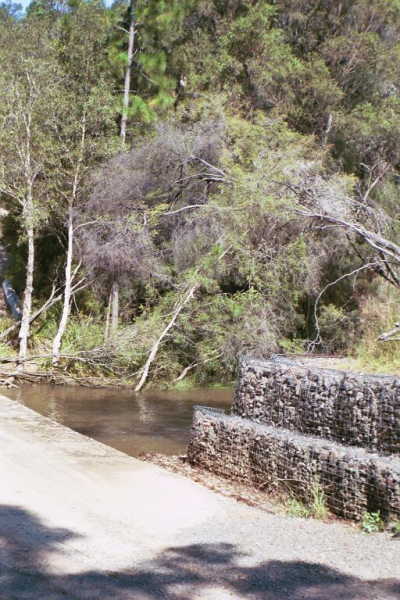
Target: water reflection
(154,421)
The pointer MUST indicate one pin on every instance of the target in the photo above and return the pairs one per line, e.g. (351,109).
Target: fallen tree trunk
(153,352)
(11,378)
(379,243)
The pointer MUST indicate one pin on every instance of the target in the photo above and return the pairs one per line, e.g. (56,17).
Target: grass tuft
(316,508)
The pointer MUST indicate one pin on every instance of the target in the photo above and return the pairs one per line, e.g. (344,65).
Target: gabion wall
(353,409)
(293,428)
(282,461)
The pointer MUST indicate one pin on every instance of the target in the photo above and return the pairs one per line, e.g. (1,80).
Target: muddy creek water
(155,421)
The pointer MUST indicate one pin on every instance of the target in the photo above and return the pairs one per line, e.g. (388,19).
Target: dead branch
(388,335)
(175,212)
(79,357)
(209,165)
(179,307)
(196,364)
(8,382)
(153,352)
(185,371)
(95,358)
(379,243)
(52,299)
(327,130)
(317,338)
(56,378)
(385,167)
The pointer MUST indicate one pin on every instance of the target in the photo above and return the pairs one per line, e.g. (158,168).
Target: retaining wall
(277,460)
(354,409)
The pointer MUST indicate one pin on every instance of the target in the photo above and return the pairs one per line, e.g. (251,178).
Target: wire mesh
(352,409)
(283,462)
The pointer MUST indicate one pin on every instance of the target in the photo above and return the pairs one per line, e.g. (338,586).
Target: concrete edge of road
(64,439)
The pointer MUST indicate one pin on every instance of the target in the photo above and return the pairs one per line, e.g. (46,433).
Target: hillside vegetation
(189,180)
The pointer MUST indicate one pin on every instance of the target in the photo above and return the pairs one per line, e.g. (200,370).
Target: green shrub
(6,351)
(336,328)
(395,527)
(372,522)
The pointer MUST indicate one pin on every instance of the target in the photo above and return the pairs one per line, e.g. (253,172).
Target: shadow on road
(206,571)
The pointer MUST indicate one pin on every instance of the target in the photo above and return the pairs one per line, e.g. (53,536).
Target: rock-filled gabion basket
(293,428)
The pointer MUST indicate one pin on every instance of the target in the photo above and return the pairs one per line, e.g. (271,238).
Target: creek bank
(9,377)
(33,372)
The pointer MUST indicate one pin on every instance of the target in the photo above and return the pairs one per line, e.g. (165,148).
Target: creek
(153,421)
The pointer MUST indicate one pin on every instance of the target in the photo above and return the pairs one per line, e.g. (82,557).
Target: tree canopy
(260,163)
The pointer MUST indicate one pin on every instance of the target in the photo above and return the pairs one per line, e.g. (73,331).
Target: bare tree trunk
(27,302)
(194,365)
(114,308)
(127,83)
(67,291)
(153,352)
(28,216)
(108,315)
(124,122)
(327,130)
(70,248)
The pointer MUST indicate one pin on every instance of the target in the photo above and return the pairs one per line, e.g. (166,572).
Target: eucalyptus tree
(86,127)
(86,136)
(57,114)
(131,33)
(30,90)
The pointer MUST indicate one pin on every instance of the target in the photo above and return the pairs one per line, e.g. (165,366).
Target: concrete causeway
(82,521)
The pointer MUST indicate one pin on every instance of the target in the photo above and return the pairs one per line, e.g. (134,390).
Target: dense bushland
(187,181)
